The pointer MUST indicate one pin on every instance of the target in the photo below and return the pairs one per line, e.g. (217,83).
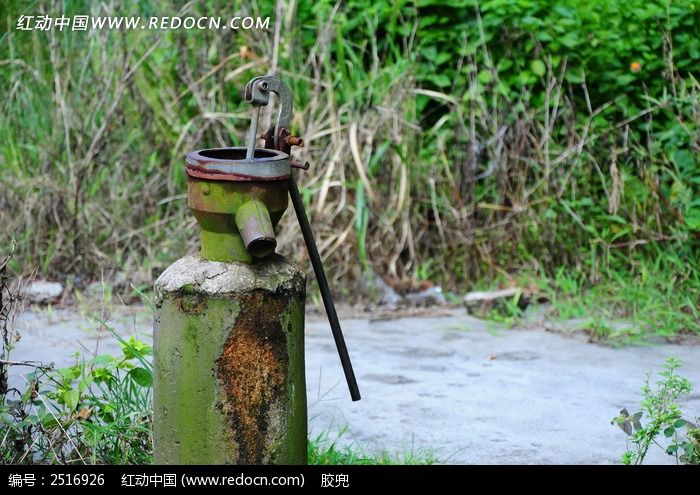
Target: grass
(326,452)
(660,304)
(622,307)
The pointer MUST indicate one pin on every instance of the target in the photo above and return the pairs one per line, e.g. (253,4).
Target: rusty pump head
(239,194)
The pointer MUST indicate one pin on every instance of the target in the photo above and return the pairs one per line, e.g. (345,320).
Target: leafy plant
(663,420)
(96,411)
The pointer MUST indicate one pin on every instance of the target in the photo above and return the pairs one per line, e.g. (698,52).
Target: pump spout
(254,224)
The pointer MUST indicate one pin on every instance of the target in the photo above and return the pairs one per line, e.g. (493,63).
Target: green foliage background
(462,142)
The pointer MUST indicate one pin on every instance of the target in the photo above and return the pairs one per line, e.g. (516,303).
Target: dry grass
(97,126)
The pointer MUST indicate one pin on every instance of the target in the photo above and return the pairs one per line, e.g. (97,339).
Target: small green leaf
(570,39)
(504,64)
(538,67)
(484,76)
(692,219)
(102,360)
(142,377)
(439,80)
(684,160)
(70,399)
(680,423)
(669,432)
(134,348)
(574,76)
(49,420)
(624,79)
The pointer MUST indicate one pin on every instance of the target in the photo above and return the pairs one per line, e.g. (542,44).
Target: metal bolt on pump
(229,383)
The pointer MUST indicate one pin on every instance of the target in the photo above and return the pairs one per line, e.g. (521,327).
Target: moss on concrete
(229,364)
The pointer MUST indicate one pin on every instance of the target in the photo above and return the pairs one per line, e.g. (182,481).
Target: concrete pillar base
(229,384)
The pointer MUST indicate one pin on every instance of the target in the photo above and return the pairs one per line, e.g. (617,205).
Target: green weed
(97,411)
(661,417)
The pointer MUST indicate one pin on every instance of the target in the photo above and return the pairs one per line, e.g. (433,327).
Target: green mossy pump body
(229,363)
(227,211)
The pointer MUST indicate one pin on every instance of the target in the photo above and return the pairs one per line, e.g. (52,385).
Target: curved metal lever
(257,93)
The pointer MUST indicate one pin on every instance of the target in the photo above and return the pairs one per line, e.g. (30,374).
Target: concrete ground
(455,387)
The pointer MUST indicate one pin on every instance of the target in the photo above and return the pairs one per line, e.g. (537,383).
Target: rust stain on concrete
(252,370)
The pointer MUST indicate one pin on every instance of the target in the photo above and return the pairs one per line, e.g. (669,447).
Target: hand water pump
(229,382)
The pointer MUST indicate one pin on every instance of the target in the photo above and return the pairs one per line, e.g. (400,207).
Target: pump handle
(257,93)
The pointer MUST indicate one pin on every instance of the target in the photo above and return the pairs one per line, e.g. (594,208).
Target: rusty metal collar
(231,164)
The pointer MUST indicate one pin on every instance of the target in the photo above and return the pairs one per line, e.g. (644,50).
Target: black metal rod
(323,287)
